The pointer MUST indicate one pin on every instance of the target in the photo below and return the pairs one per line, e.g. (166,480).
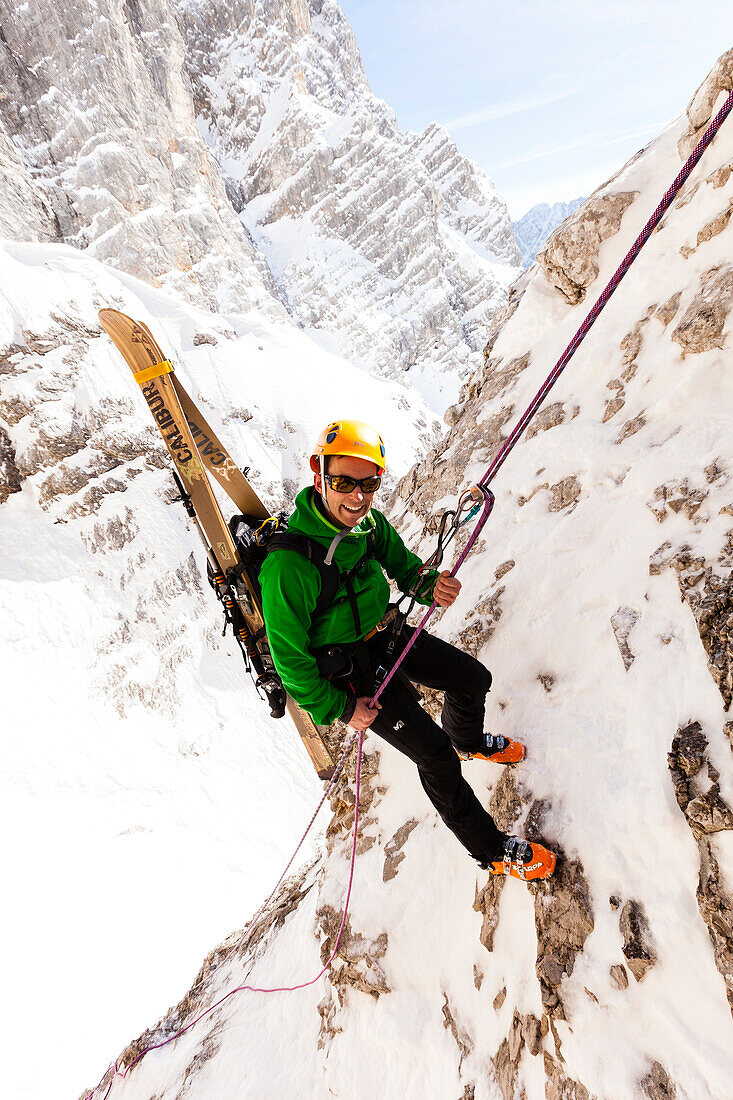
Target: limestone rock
(623,622)
(614,405)
(667,310)
(549,416)
(705,813)
(701,106)
(468,198)
(619,976)
(357,962)
(688,750)
(702,324)
(486,902)
(708,813)
(564,494)
(720,176)
(638,949)
(10,476)
(306,146)
(570,257)
(183,143)
(677,496)
(716,907)
(631,427)
(505,807)
(462,1038)
(564,920)
(393,854)
(532,1034)
(712,605)
(25,214)
(657,1084)
(558,1086)
(81,108)
(717,225)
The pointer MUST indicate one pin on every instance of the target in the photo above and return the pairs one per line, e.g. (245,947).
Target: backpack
(255,538)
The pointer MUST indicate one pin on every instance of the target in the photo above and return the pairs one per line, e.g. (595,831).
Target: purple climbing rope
(488,504)
(512,439)
(597,308)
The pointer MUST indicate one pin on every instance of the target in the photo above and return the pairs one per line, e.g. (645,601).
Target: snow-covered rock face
(600,597)
(99,108)
(25,215)
(532,230)
(137,755)
(393,246)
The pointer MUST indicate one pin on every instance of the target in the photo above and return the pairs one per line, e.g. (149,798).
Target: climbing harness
(478,498)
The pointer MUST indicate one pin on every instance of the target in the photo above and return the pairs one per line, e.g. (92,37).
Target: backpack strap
(347,580)
(315,553)
(331,576)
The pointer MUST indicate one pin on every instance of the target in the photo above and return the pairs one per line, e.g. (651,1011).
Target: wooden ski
(194,448)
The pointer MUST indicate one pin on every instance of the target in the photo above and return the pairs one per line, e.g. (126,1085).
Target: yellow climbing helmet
(352,438)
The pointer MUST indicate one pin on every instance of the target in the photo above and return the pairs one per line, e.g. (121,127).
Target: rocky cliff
(600,596)
(236,155)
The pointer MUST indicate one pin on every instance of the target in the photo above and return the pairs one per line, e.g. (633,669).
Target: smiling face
(347,509)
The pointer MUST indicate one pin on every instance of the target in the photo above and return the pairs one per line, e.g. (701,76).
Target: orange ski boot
(498,749)
(520,859)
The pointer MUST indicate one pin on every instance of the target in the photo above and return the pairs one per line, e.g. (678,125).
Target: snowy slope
(600,598)
(147,792)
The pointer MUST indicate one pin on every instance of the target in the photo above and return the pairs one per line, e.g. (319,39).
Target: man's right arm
(290,588)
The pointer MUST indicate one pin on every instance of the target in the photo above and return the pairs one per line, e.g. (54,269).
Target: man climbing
(327,657)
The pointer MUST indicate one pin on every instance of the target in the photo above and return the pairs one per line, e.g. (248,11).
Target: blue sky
(550,98)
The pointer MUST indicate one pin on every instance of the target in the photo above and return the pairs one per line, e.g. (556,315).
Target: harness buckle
(388,617)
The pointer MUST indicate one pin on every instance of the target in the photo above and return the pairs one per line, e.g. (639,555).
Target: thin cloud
(586,143)
(508,107)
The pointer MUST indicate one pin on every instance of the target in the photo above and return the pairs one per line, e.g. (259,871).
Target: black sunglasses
(341,483)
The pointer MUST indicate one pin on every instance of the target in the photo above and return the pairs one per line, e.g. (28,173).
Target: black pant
(405,725)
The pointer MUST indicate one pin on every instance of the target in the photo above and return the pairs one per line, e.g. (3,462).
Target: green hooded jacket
(290,588)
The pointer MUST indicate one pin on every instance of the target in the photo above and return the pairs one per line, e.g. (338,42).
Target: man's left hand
(446,589)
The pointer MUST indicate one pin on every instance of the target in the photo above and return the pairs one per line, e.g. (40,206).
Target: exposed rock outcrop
(570,257)
(657,1084)
(706,813)
(712,605)
(564,920)
(10,476)
(25,214)
(702,324)
(623,622)
(704,101)
(393,850)
(525,1032)
(357,961)
(638,948)
(533,229)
